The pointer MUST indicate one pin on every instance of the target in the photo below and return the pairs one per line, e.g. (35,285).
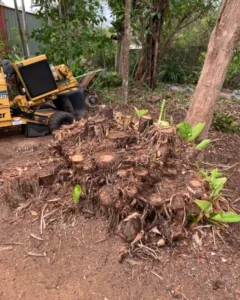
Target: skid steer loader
(47,96)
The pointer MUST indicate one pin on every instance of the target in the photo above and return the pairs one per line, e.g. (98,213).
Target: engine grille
(38,78)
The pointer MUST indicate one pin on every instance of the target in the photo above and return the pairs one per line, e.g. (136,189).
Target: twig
(23,206)
(202,226)
(184,296)
(154,273)
(37,254)
(100,241)
(221,238)
(50,213)
(214,239)
(42,222)
(36,237)
(6,248)
(54,200)
(13,244)
(225,167)
(184,217)
(237,200)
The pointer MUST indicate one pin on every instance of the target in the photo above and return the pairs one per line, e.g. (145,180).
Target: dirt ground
(77,258)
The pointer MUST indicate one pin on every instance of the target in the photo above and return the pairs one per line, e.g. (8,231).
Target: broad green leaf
(225,217)
(203,144)
(164,124)
(196,130)
(217,186)
(77,191)
(204,205)
(215,174)
(184,130)
(140,112)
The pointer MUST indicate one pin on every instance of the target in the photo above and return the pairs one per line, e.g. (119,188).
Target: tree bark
(139,72)
(221,46)
(126,47)
(119,55)
(153,41)
(25,28)
(20,29)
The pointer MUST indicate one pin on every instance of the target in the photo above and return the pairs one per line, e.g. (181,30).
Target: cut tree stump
(108,195)
(144,122)
(77,160)
(106,111)
(105,160)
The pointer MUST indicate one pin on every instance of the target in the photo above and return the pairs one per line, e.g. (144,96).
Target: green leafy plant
(208,212)
(108,80)
(203,144)
(140,112)
(216,182)
(226,123)
(162,117)
(190,133)
(77,191)
(172,72)
(225,217)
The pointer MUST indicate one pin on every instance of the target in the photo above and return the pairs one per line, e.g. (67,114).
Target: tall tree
(153,40)
(25,27)
(156,23)
(126,48)
(24,48)
(117,9)
(221,46)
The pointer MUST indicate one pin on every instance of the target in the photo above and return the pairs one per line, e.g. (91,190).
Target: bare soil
(76,257)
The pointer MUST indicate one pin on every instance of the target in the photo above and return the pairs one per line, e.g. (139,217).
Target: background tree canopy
(73,32)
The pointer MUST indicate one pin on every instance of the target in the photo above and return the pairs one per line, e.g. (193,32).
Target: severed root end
(105,160)
(78,158)
(108,195)
(144,122)
(106,111)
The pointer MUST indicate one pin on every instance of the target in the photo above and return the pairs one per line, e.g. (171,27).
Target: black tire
(58,119)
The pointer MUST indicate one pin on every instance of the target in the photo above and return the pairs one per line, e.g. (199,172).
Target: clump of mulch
(145,182)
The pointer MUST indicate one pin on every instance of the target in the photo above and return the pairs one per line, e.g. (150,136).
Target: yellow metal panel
(5,124)
(29,61)
(5,114)
(44,96)
(3,102)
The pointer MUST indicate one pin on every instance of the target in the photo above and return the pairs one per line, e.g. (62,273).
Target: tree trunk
(220,51)
(119,55)
(20,29)
(126,46)
(139,72)
(25,28)
(153,41)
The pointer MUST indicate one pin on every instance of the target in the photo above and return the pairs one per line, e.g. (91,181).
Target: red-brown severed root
(155,200)
(105,160)
(106,111)
(108,195)
(78,158)
(144,122)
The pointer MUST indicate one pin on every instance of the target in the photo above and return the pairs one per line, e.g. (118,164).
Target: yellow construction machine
(47,96)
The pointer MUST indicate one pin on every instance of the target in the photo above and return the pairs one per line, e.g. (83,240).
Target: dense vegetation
(75,33)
